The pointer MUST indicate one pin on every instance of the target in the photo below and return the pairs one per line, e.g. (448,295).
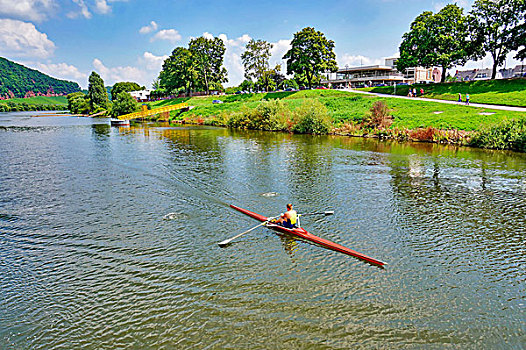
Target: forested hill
(19,81)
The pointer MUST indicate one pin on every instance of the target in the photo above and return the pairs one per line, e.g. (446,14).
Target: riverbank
(347,113)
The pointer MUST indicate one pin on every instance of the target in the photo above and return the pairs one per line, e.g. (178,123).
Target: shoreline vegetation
(351,114)
(38,103)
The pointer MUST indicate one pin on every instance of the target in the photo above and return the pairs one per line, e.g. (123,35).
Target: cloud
(32,10)
(61,71)
(358,60)
(22,39)
(102,7)
(83,10)
(152,27)
(112,75)
(152,62)
(170,35)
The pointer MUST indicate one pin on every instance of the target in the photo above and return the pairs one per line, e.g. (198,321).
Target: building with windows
(485,74)
(386,74)
(141,95)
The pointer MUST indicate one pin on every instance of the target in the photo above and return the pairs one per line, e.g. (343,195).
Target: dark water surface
(108,240)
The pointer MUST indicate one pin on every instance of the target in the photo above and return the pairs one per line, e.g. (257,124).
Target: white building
(386,74)
(141,95)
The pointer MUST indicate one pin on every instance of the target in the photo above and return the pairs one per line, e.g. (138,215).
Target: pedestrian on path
(421,92)
(467,99)
(459,97)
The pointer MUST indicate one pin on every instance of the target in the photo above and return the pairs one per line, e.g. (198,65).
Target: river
(108,240)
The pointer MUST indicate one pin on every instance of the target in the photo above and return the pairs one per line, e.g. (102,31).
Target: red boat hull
(302,233)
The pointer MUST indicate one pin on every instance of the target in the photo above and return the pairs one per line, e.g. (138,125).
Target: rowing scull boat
(302,233)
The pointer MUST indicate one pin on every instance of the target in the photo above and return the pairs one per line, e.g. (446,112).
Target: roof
(363,68)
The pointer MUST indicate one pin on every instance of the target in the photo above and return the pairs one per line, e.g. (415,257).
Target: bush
(508,134)
(312,117)
(379,117)
(268,115)
(124,104)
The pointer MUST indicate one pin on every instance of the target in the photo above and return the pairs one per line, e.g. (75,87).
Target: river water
(108,240)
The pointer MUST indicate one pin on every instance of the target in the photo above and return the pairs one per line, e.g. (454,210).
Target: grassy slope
(43,100)
(501,92)
(344,106)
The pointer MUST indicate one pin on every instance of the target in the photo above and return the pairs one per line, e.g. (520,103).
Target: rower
(288,219)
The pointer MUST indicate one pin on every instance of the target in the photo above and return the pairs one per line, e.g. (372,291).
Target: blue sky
(127,40)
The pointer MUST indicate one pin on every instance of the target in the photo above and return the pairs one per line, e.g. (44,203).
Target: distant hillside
(19,81)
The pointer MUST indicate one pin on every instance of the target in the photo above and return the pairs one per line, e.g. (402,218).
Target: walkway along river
(108,239)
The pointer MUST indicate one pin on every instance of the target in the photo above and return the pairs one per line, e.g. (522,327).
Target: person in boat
(288,219)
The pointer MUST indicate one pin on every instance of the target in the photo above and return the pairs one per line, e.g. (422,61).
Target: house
(385,74)
(141,95)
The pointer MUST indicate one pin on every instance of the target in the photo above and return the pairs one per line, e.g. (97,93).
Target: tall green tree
(125,86)
(180,70)
(256,59)
(97,94)
(208,55)
(442,39)
(495,25)
(311,54)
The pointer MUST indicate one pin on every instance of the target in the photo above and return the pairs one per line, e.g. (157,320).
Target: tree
(208,55)
(78,103)
(311,53)
(256,59)
(97,95)
(179,71)
(124,86)
(520,32)
(495,25)
(442,39)
(124,104)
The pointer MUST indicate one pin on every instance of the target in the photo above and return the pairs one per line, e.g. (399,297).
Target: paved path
(480,105)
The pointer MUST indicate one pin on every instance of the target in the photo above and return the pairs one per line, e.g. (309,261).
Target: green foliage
(268,115)
(495,23)
(124,87)
(312,117)
(256,59)
(311,54)
(519,32)
(97,94)
(441,39)
(208,55)
(20,80)
(78,103)
(508,134)
(179,71)
(124,104)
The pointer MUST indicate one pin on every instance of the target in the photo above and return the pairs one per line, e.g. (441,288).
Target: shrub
(268,115)
(312,117)
(508,134)
(379,116)
(421,134)
(124,104)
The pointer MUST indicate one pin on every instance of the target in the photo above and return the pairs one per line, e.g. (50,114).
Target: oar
(329,212)
(227,241)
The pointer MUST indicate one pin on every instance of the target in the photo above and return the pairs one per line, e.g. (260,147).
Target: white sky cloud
(152,62)
(357,60)
(22,39)
(61,71)
(102,7)
(170,35)
(32,10)
(152,27)
(83,10)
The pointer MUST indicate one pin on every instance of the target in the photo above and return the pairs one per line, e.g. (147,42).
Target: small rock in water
(174,216)
(269,194)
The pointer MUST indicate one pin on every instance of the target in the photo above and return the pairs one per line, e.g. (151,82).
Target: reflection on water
(108,239)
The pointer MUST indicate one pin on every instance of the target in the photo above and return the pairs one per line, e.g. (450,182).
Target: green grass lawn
(40,100)
(346,106)
(509,92)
